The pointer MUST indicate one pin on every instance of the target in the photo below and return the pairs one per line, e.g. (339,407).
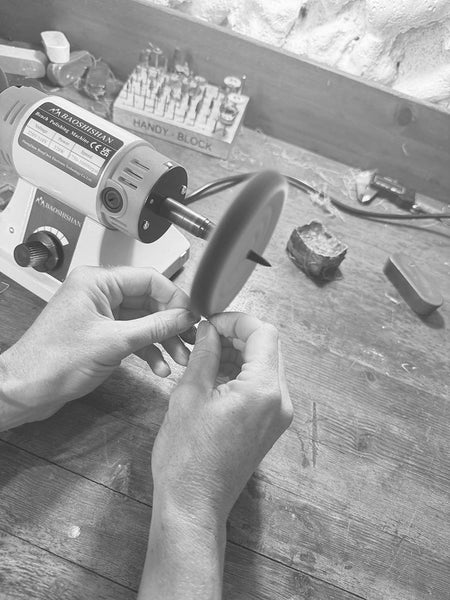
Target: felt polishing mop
(237,242)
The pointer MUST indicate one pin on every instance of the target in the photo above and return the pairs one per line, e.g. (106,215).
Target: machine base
(95,246)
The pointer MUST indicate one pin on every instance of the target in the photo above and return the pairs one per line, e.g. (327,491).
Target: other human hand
(96,318)
(230,407)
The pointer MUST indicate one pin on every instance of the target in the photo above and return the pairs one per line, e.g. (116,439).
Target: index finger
(141,288)
(235,325)
(258,341)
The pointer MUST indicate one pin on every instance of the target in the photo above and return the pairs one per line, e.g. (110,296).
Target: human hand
(230,407)
(96,318)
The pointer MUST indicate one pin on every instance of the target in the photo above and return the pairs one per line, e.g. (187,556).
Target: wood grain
(321,109)
(358,465)
(77,522)
(28,572)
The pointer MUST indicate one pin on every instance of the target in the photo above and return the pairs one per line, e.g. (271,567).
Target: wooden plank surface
(328,112)
(302,501)
(352,502)
(28,571)
(79,521)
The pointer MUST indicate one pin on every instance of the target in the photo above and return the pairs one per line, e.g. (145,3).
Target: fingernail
(195,318)
(186,319)
(162,369)
(202,331)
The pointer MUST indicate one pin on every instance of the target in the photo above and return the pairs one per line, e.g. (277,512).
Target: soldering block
(315,250)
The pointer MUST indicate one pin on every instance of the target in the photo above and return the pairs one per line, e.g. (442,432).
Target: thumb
(157,327)
(203,365)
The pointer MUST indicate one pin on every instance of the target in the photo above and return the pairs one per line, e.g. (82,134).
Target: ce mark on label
(100,149)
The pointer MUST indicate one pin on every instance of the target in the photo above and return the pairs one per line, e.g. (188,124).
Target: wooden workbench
(354,500)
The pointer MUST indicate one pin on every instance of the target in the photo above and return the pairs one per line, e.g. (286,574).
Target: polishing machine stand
(92,193)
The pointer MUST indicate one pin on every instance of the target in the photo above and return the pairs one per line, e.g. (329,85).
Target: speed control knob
(41,250)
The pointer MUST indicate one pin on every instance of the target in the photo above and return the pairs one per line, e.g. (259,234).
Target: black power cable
(226,183)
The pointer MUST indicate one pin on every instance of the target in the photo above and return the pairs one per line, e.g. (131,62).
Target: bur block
(147,104)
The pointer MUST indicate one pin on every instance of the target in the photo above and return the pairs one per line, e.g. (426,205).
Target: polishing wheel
(246,226)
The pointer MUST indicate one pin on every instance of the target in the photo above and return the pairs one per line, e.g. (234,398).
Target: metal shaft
(196,224)
(186,219)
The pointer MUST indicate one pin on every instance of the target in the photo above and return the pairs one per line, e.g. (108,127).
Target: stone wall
(404,44)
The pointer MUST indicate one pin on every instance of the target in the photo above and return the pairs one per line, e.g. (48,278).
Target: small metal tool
(157,54)
(232,84)
(389,188)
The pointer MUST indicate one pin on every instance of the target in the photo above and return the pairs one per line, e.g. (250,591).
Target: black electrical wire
(217,186)
(226,183)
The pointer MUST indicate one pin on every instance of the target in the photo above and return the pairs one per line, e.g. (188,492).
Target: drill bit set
(165,99)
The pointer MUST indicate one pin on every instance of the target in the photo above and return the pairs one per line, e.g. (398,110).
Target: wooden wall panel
(325,111)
